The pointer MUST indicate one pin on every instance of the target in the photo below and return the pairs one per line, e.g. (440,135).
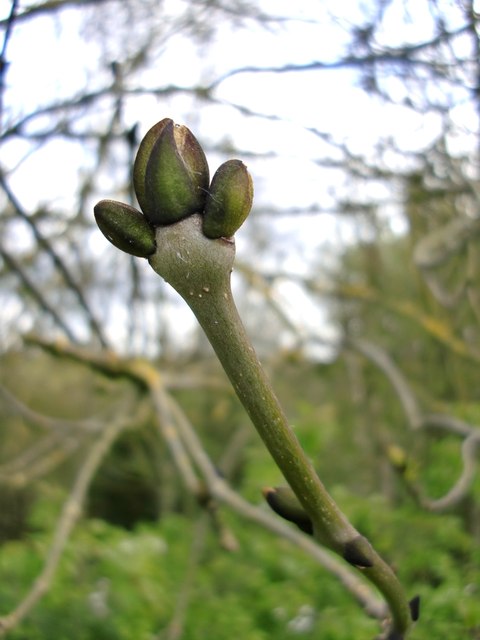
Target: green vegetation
(115,583)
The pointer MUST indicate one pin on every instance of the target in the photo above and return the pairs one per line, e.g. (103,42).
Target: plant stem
(199,269)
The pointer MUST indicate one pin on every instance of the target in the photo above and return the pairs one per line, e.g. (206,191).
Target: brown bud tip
(125,227)
(356,552)
(284,502)
(414,605)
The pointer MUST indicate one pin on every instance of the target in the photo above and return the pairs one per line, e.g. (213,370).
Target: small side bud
(125,227)
(171,174)
(229,200)
(414,605)
(285,503)
(357,552)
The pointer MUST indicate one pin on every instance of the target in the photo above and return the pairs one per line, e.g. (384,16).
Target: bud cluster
(172,181)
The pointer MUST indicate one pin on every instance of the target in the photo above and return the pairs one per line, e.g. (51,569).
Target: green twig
(199,270)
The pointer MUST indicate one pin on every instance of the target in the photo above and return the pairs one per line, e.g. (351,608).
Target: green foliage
(115,584)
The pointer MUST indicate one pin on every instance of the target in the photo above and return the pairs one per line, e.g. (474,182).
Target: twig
(39,459)
(35,292)
(57,261)
(49,423)
(70,514)
(221,491)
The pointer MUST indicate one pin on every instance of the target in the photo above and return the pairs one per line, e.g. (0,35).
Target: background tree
(364,234)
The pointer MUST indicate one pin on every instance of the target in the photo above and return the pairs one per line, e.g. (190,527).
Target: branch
(70,514)
(416,418)
(401,55)
(49,423)
(199,270)
(57,261)
(219,489)
(35,292)
(39,460)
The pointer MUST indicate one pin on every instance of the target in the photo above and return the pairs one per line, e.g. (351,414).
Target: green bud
(285,503)
(125,227)
(170,174)
(229,200)
(141,160)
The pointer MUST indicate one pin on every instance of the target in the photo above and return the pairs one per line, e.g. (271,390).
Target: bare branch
(70,514)
(57,261)
(35,292)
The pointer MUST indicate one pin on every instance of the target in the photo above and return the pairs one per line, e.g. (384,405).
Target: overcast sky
(60,56)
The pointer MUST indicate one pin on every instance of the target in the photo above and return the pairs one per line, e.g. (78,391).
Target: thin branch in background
(49,423)
(220,490)
(51,6)
(71,512)
(169,433)
(463,485)
(416,418)
(419,420)
(3,55)
(35,292)
(59,265)
(38,461)
(402,389)
(143,373)
(404,55)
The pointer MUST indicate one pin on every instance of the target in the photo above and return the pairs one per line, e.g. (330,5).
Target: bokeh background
(357,276)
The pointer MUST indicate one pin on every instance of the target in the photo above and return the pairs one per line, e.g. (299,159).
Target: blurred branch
(169,431)
(64,437)
(40,459)
(438,247)
(437,328)
(35,292)
(57,261)
(416,418)
(9,22)
(89,425)
(70,514)
(405,55)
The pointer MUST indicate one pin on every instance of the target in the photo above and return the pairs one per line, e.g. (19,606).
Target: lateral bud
(357,552)
(229,200)
(285,503)
(125,227)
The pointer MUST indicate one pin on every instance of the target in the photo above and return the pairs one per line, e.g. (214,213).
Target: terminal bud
(170,174)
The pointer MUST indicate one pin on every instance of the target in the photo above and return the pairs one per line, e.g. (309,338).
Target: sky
(57,57)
